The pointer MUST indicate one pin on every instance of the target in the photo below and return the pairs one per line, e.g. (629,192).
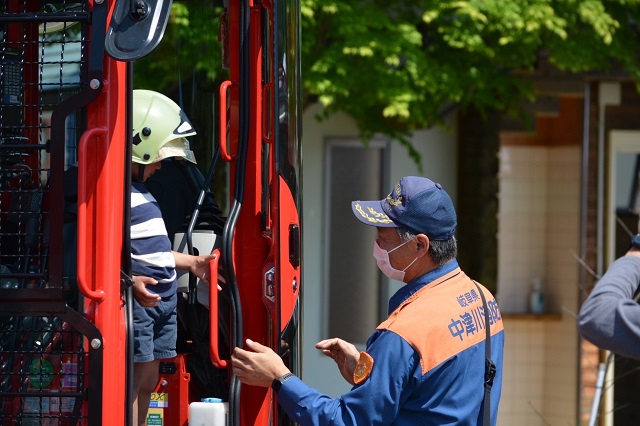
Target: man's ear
(422,244)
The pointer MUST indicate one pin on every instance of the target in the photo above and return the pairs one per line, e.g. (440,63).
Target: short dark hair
(440,251)
(443,251)
(406,234)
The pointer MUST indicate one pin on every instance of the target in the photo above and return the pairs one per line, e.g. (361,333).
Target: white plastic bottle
(209,412)
(536,297)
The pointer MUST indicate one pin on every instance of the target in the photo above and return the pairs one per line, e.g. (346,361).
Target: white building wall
(538,235)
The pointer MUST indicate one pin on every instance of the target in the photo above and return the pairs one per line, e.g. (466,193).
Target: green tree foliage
(190,44)
(394,66)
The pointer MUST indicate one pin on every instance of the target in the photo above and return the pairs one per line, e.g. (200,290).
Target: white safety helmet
(160,129)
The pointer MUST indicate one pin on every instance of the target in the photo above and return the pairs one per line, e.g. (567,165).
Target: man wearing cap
(429,362)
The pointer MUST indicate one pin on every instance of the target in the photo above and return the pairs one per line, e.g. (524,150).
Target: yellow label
(159,400)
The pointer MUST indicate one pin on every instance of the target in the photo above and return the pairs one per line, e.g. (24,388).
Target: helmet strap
(140,177)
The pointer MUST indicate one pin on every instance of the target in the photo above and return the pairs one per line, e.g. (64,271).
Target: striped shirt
(150,247)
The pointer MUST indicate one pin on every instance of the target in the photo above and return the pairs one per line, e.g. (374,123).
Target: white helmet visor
(176,148)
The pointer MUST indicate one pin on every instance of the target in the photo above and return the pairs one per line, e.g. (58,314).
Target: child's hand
(145,298)
(200,267)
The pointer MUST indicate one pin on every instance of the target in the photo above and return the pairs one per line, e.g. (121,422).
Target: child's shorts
(155,330)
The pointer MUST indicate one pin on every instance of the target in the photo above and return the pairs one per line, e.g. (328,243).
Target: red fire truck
(66,85)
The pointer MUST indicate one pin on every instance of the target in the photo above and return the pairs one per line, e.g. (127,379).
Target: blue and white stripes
(150,247)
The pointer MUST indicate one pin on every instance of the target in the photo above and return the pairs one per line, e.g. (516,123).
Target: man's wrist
(634,248)
(279,381)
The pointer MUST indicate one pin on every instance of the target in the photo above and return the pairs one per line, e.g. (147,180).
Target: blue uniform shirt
(403,387)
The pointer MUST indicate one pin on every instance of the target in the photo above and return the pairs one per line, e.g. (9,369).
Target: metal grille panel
(43,63)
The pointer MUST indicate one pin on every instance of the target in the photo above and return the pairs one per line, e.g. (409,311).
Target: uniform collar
(412,286)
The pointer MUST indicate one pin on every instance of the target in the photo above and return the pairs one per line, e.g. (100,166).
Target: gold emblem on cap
(394,202)
(398,193)
(363,368)
(372,215)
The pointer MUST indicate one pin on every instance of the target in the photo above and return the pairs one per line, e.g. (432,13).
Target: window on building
(353,282)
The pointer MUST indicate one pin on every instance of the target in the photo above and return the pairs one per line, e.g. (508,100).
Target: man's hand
(258,368)
(145,298)
(343,353)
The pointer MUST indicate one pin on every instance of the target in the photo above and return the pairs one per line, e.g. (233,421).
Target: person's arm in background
(610,318)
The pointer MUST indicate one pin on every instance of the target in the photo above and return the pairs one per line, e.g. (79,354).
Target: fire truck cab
(66,83)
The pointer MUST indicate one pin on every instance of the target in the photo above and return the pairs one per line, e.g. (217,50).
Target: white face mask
(382,259)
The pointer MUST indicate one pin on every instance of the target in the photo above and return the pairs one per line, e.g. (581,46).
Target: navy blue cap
(415,203)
